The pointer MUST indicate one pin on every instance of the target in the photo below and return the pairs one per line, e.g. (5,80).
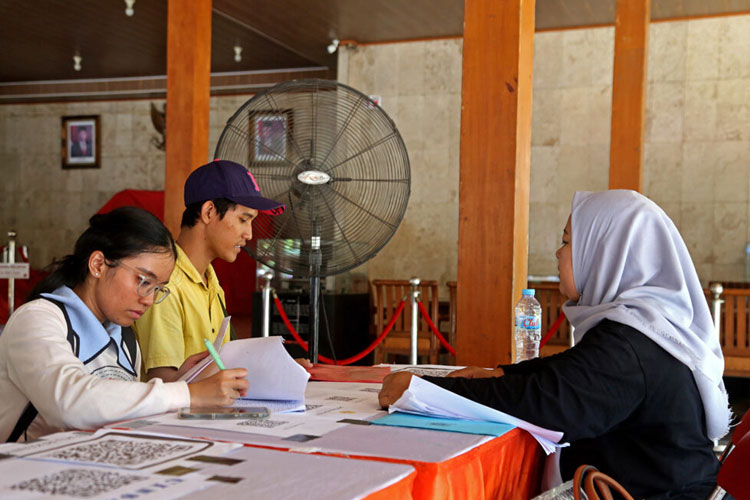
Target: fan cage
(333,130)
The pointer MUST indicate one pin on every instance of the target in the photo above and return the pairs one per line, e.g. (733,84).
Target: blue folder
(399,419)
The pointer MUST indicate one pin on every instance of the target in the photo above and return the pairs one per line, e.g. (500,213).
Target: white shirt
(37,364)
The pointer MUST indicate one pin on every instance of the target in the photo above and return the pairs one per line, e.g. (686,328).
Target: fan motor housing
(313,177)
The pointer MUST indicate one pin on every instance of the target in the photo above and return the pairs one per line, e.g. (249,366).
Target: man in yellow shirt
(222,199)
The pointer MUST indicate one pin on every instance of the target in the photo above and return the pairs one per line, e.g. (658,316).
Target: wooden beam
(494,180)
(629,94)
(188,92)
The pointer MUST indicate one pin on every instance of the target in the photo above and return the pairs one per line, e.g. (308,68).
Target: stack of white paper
(277,381)
(426,398)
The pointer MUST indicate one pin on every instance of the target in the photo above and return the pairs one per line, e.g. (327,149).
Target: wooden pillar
(188,92)
(494,180)
(629,94)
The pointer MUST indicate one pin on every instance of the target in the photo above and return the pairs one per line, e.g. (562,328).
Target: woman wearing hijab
(640,396)
(65,360)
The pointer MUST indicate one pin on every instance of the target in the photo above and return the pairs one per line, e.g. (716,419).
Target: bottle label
(528,322)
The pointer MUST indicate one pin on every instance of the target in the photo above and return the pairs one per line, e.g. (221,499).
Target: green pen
(214,354)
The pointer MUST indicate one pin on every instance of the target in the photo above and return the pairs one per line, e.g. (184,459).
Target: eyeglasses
(146,286)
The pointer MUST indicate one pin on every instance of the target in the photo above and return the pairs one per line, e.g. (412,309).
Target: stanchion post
(414,282)
(11,281)
(716,291)
(267,276)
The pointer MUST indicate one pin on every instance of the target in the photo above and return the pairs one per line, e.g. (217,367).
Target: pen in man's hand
(214,354)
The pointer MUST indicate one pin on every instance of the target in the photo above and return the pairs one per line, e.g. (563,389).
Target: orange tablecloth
(400,490)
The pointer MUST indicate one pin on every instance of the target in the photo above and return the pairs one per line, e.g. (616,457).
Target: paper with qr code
(26,479)
(277,424)
(43,443)
(124,449)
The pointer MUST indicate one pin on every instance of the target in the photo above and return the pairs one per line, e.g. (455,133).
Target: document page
(125,449)
(26,479)
(426,398)
(273,374)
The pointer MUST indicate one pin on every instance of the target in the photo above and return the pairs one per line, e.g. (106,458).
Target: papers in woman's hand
(272,373)
(426,398)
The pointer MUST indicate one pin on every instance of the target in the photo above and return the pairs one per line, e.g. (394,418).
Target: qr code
(341,398)
(121,453)
(78,483)
(263,422)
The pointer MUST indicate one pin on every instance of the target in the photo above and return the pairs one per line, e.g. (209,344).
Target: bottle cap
(528,291)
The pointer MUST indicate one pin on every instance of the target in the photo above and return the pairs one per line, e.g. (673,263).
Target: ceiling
(39,37)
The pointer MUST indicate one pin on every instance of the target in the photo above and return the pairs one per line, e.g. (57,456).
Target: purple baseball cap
(230,180)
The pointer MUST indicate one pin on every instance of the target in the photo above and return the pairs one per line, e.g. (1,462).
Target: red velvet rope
(552,330)
(346,361)
(435,330)
(388,328)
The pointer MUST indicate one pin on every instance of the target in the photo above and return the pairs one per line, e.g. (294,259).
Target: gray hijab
(630,265)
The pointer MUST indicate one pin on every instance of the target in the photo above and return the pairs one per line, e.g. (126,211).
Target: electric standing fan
(337,161)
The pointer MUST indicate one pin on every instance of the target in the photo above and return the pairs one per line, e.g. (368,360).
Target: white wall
(697,146)
(48,206)
(697,138)
(420,87)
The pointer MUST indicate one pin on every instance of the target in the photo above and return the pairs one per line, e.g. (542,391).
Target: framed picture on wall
(270,131)
(80,141)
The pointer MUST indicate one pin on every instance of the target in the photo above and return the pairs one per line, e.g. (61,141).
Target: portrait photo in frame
(80,141)
(270,132)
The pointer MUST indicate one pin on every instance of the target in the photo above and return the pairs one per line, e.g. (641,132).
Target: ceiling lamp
(237,53)
(129,8)
(333,46)
(77,62)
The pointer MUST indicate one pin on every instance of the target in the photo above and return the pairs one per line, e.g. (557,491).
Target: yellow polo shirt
(174,329)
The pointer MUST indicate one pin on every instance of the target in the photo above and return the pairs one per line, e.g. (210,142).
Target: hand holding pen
(214,354)
(221,388)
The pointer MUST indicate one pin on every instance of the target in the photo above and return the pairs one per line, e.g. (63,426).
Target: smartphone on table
(223,412)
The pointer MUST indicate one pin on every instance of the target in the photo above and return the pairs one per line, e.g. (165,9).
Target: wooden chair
(549,297)
(735,330)
(387,294)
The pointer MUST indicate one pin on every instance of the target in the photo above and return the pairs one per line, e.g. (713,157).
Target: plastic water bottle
(528,326)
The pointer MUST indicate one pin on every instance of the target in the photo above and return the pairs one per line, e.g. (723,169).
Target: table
(447,464)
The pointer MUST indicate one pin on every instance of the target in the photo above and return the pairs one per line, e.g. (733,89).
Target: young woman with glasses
(68,358)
